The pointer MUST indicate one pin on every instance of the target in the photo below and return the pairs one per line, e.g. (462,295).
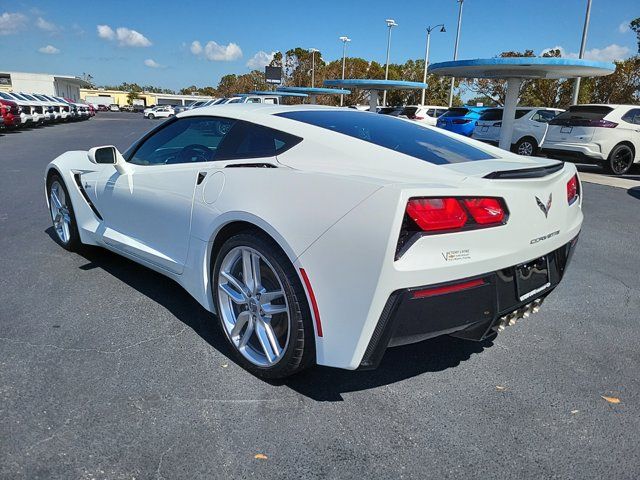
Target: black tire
(620,159)
(151,116)
(73,244)
(300,350)
(526,146)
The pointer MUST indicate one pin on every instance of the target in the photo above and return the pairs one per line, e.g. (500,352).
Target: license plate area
(484,129)
(566,129)
(532,278)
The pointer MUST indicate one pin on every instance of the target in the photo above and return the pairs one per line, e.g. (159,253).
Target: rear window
(395,111)
(456,112)
(581,115)
(395,134)
(491,114)
(409,111)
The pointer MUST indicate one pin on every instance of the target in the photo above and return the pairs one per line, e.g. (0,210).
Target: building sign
(273,75)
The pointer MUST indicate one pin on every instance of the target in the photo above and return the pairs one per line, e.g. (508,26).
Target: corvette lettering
(545,237)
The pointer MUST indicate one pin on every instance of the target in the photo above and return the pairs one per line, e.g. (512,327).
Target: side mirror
(103,155)
(108,155)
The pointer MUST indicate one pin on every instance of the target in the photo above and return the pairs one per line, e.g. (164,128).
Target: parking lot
(111,371)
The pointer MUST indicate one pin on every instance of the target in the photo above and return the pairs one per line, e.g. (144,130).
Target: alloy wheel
(621,161)
(60,212)
(525,148)
(253,306)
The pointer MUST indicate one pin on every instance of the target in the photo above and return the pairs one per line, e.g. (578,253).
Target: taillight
(497,124)
(573,189)
(460,121)
(602,123)
(453,214)
(418,118)
(485,211)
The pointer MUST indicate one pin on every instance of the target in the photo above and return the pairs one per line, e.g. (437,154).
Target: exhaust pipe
(522,313)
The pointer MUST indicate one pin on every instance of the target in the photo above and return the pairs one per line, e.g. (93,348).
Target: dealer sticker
(456,255)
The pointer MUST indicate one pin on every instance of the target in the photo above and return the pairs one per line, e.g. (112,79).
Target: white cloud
(42,24)
(151,63)
(624,27)
(126,37)
(49,50)
(215,52)
(196,48)
(106,32)
(260,60)
(11,23)
(607,54)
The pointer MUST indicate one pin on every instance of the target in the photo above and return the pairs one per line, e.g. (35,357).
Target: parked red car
(10,113)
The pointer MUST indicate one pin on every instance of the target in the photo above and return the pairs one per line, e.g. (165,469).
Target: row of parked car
(605,134)
(21,110)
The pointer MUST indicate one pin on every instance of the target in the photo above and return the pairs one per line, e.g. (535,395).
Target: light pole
(583,44)
(344,40)
(313,66)
(455,50)
(426,56)
(390,24)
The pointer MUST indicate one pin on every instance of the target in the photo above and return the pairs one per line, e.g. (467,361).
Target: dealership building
(120,98)
(67,86)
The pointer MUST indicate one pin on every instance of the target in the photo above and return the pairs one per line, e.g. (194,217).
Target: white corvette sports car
(325,235)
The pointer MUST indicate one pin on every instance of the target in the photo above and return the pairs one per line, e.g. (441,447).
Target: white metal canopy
(515,70)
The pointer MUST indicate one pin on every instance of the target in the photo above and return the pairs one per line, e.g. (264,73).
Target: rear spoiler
(536,172)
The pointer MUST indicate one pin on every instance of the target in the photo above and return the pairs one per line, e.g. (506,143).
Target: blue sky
(153,42)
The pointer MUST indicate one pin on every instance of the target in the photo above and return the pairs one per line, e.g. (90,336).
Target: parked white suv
(160,111)
(605,134)
(427,114)
(529,128)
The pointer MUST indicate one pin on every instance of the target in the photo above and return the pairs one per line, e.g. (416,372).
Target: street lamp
(390,24)
(344,40)
(426,56)
(313,66)
(455,50)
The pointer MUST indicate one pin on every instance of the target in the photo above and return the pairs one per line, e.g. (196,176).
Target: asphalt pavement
(111,371)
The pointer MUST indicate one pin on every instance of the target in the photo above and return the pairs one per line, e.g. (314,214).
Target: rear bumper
(473,313)
(586,152)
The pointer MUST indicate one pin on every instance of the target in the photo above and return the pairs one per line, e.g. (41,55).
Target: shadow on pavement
(634,192)
(634,173)
(317,383)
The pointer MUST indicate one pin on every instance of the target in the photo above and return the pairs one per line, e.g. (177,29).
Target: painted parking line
(609,181)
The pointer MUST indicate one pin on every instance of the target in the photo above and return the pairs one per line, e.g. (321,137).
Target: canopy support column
(509,112)
(312,99)
(373,101)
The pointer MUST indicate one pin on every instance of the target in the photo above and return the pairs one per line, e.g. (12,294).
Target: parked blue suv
(460,120)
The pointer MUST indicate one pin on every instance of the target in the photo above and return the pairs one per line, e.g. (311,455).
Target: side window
(543,116)
(248,140)
(271,101)
(253,100)
(191,139)
(431,112)
(632,116)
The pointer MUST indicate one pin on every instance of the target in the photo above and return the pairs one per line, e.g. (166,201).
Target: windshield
(395,134)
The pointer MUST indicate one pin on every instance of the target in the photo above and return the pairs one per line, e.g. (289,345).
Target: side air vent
(526,172)
(76,177)
(251,165)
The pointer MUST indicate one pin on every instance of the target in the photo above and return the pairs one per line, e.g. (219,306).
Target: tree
(131,96)
(622,86)
(635,26)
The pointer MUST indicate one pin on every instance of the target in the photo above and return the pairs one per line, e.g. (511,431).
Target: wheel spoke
(268,297)
(241,321)
(271,309)
(247,334)
(235,283)
(256,275)
(56,200)
(268,341)
(247,269)
(234,295)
